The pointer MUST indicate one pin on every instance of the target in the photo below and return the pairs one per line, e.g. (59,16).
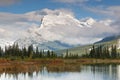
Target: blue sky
(77,6)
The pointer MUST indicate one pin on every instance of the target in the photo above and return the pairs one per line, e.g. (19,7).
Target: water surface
(86,72)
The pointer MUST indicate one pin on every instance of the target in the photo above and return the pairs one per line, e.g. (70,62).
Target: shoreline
(59,65)
(48,61)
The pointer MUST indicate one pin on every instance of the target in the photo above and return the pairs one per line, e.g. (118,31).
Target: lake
(84,72)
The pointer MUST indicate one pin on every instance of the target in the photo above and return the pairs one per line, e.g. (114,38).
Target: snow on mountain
(61,27)
(33,38)
(4,43)
(64,27)
(58,27)
(88,22)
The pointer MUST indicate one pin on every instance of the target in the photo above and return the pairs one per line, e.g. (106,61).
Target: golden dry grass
(58,65)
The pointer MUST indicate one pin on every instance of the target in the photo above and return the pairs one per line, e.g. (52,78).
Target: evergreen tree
(30,51)
(67,54)
(113,51)
(48,54)
(92,52)
(1,52)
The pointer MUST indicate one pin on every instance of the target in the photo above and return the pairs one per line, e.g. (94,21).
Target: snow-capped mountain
(55,30)
(88,22)
(4,43)
(59,29)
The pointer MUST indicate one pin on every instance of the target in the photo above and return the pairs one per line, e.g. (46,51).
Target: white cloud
(4,33)
(76,1)
(8,2)
(13,26)
(113,11)
(66,28)
(59,24)
(71,1)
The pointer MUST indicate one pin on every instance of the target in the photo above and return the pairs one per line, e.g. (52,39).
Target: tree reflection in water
(85,72)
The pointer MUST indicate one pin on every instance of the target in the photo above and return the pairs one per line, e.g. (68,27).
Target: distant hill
(110,38)
(42,44)
(108,41)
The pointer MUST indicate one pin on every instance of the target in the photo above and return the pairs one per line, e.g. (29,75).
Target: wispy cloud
(8,2)
(13,26)
(71,1)
(98,0)
(113,11)
(75,1)
(59,24)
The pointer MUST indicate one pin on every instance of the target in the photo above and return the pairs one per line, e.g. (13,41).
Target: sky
(19,16)
(79,7)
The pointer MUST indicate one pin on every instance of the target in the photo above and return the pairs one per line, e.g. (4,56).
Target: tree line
(102,52)
(69,55)
(15,51)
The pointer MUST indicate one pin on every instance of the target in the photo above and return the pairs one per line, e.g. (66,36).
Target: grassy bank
(30,65)
(57,61)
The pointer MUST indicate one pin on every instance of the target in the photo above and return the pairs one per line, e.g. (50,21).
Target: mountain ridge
(80,50)
(62,26)
(109,38)
(48,32)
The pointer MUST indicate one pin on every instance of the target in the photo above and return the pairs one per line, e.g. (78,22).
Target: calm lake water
(86,72)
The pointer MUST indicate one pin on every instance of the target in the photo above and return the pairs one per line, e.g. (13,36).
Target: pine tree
(30,51)
(1,52)
(67,54)
(92,52)
(113,51)
(48,54)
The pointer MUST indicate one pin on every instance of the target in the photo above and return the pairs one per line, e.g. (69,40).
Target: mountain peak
(90,21)
(59,19)
(4,43)
(57,26)
(87,22)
